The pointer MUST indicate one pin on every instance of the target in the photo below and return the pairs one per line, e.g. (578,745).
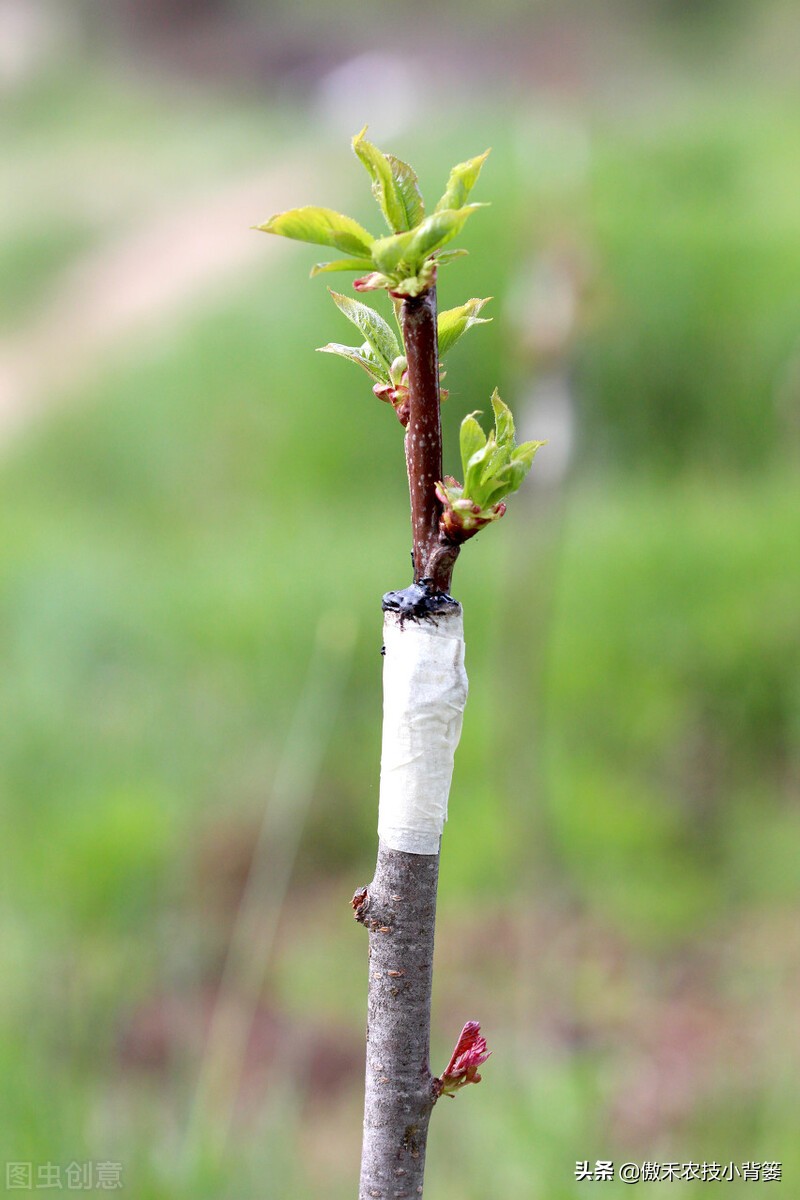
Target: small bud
(461,517)
(398,369)
(469,1054)
(371,282)
(384,391)
(415,285)
(396,396)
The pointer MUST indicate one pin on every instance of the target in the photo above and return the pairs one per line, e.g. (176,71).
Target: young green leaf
(463,178)
(410,249)
(394,185)
(493,466)
(471,438)
(362,356)
(475,470)
(509,478)
(503,421)
(435,231)
(416,284)
(372,325)
(443,257)
(498,482)
(525,452)
(321,227)
(407,190)
(456,321)
(384,188)
(389,252)
(341,264)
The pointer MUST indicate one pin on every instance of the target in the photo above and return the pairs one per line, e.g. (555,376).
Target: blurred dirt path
(171,263)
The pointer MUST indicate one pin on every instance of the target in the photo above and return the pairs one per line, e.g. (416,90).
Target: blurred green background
(199,516)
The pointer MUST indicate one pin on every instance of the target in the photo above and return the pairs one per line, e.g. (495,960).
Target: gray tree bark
(399,909)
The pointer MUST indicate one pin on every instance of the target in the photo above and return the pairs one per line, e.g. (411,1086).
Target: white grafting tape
(424,693)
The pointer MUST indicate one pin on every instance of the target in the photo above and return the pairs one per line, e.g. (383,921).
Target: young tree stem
(399,906)
(434,556)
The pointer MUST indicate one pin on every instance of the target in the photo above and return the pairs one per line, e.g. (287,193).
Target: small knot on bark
(360,904)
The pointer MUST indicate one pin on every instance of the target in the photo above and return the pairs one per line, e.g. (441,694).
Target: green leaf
(525,453)
(394,185)
(435,231)
(511,476)
(477,452)
(463,178)
(355,354)
(472,439)
(372,325)
(503,421)
(321,227)
(443,257)
(476,470)
(402,256)
(456,321)
(407,190)
(384,188)
(342,264)
(388,252)
(493,466)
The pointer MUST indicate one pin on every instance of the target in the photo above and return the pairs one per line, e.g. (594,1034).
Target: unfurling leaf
(406,259)
(363,356)
(456,321)
(372,282)
(493,467)
(394,185)
(322,227)
(378,333)
(407,188)
(463,178)
(476,467)
(470,1053)
(384,188)
(341,264)
(472,439)
(443,257)
(503,421)
(435,231)
(414,285)
(389,252)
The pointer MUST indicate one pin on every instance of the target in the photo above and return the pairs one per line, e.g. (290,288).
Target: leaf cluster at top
(405,261)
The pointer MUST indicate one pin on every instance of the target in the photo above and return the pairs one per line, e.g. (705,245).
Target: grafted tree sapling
(425,685)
